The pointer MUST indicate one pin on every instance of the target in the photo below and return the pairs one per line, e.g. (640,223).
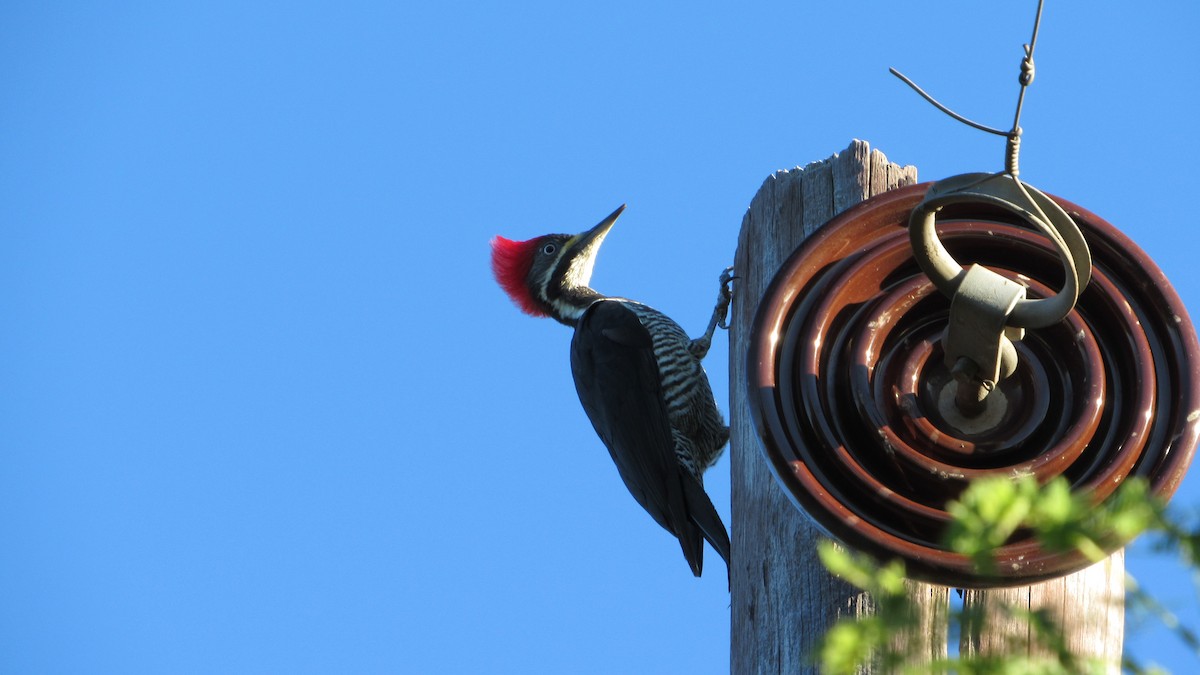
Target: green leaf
(856,570)
(847,645)
(986,515)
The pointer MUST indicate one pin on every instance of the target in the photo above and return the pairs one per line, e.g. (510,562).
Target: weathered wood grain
(1088,606)
(783,600)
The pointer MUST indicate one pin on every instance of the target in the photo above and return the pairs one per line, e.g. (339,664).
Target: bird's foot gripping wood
(700,345)
(722,309)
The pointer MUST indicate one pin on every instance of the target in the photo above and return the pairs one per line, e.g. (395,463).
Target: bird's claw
(727,277)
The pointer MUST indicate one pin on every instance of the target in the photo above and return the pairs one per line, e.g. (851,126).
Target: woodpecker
(638,376)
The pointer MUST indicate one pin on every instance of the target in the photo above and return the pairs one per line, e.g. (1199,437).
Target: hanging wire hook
(1013,146)
(987,310)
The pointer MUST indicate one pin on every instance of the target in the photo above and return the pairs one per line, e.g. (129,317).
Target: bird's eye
(549,249)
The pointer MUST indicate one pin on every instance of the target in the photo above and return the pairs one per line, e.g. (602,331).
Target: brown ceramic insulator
(846,374)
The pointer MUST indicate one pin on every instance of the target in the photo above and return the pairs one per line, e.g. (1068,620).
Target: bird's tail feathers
(705,517)
(689,536)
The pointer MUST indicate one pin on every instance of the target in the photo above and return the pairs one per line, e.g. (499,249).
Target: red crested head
(549,275)
(511,262)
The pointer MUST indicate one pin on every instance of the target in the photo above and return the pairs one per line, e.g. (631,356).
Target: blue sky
(263,407)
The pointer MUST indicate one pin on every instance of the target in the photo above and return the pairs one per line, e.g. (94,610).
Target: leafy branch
(986,516)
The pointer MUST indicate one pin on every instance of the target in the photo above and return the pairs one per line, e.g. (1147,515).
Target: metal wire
(943,108)
(1013,146)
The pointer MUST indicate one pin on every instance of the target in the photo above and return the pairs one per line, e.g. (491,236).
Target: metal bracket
(1028,203)
(978,346)
(988,311)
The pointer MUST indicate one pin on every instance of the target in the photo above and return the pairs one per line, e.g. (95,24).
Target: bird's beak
(580,251)
(586,243)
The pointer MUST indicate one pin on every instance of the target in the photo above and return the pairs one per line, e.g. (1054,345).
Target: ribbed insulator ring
(849,390)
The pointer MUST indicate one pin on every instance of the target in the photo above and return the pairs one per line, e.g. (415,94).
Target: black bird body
(639,378)
(650,402)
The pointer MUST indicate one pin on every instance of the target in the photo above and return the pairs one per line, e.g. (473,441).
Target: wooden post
(783,600)
(1088,606)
